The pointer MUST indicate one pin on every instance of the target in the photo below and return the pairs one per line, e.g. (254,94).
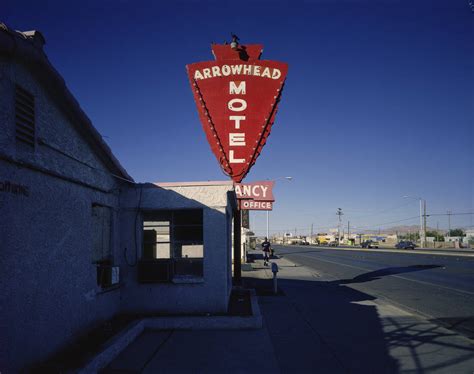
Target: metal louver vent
(24,116)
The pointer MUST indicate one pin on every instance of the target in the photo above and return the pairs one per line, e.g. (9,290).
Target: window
(24,116)
(107,275)
(172,244)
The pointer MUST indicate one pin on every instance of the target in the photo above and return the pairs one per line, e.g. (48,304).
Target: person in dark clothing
(266,247)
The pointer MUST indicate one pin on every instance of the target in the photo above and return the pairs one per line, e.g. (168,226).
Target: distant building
(469,236)
(453,238)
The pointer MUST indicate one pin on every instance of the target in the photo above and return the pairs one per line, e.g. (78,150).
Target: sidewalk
(311,325)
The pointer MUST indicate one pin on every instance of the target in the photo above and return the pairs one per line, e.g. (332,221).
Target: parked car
(332,243)
(369,244)
(304,243)
(405,245)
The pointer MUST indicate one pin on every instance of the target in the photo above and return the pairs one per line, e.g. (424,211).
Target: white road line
(396,276)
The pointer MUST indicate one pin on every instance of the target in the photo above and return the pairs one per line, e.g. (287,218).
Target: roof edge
(194,184)
(28,48)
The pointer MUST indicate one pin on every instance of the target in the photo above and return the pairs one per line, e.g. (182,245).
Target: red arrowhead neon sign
(237,99)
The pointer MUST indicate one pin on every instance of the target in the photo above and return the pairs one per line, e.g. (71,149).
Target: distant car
(369,244)
(332,243)
(304,243)
(405,245)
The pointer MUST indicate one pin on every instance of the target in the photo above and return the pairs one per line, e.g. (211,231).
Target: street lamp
(274,180)
(422,215)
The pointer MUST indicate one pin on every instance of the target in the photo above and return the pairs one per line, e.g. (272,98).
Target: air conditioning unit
(108,275)
(154,271)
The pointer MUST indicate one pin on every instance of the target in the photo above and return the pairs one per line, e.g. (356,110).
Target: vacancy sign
(255,196)
(262,191)
(237,98)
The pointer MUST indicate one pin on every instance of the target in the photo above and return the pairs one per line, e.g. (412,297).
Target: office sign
(237,97)
(255,205)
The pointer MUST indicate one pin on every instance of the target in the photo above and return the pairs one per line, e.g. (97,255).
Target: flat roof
(194,184)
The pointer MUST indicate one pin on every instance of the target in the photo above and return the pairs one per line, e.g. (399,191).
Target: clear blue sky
(378,101)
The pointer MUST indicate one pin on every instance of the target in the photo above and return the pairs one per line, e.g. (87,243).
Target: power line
(372,226)
(449,214)
(382,211)
(388,223)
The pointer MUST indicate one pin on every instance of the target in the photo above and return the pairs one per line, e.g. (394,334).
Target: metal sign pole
(237,251)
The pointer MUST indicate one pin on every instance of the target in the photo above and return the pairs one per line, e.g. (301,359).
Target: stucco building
(80,240)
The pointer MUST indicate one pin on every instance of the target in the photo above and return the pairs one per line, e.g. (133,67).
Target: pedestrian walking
(266,247)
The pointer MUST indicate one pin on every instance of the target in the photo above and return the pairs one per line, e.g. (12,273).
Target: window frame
(108,275)
(176,262)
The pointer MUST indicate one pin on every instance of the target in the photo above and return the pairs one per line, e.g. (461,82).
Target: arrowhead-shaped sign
(237,98)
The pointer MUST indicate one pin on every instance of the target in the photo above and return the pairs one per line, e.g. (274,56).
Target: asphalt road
(436,286)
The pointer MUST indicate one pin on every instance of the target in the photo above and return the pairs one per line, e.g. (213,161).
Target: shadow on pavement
(462,324)
(252,256)
(327,327)
(374,275)
(318,327)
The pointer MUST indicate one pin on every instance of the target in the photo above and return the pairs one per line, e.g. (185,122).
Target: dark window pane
(193,267)
(149,251)
(187,217)
(161,215)
(192,234)
(154,271)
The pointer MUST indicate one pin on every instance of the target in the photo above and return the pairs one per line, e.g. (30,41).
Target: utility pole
(311,237)
(348,230)
(339,214)
(449,223)
(422,220)
(237,249)
(424,223)
(268,226)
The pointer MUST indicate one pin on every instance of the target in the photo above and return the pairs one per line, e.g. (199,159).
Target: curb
(113,347)
(436,252)
(123,339)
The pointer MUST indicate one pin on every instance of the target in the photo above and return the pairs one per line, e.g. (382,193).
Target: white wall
(48,289)
(211,295)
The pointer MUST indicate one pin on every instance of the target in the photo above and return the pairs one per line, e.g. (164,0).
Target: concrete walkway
(311,325)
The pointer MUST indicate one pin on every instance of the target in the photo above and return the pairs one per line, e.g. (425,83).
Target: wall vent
(24,116)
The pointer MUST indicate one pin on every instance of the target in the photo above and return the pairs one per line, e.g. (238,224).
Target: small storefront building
(183,263)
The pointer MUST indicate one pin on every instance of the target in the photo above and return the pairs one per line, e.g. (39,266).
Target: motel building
(80,241)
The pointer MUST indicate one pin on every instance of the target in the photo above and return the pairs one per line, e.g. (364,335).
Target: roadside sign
(255,205)
(237,98)
(261,191)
